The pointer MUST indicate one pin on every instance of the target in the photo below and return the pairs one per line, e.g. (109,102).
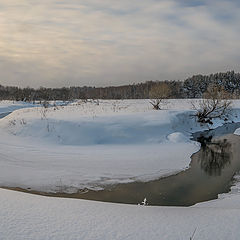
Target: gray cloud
(73,42)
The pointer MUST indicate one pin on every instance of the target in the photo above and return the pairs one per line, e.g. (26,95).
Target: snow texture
(25,216)
(94,144)
(33,155)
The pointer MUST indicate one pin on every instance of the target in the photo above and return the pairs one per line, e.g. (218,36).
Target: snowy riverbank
(25,216)
(136,143)
(94,144)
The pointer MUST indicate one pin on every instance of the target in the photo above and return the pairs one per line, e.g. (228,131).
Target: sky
(56,43)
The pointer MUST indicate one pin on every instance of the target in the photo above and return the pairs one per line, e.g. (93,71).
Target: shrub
(158,93)
(214,105)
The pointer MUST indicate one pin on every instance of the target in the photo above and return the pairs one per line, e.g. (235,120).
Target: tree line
(193,87)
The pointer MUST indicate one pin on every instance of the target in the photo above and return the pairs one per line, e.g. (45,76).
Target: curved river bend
(210,173)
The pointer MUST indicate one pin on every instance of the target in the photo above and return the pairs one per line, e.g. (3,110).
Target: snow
(94,144)
(237,131)
(91,144)
(9,106)
(26,216)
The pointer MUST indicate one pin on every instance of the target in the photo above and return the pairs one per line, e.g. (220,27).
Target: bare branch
(214,105)
(158,93)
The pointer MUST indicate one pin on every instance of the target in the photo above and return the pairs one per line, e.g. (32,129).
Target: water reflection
(211,172)
(215,156)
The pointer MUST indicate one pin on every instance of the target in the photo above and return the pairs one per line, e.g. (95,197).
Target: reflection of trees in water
(215,156)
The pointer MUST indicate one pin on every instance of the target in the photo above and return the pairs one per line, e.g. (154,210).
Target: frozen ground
(46,153)
(94,144)
(25,216)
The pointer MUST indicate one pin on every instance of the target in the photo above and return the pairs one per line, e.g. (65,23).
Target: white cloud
(70,42)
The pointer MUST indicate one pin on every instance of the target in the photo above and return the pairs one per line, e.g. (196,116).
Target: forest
(192,87)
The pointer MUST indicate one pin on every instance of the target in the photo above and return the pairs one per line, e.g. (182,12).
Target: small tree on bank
(158,93)
(215,104)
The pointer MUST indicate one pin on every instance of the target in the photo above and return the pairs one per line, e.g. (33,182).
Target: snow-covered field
(95,144)
(24,216)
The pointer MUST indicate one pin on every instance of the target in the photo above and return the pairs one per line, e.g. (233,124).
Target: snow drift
(93,144)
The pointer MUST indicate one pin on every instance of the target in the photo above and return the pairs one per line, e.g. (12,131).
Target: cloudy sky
(109,42)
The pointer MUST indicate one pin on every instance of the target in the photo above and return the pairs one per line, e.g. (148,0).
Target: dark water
(210,173)
(227,128)
(2,115)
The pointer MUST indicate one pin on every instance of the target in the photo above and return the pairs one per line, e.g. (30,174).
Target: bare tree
(214,105)
(158,93)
